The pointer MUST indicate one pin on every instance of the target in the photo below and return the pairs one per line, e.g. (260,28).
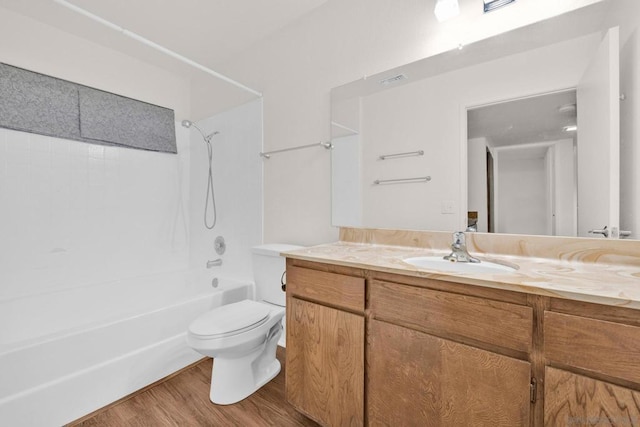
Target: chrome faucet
(214,263)
(459,249)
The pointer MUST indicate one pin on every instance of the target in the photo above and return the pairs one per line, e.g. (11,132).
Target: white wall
(237,179)
(337,43)
(523,195)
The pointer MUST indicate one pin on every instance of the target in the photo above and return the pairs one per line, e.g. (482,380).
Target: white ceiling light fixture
(490,5)
(446,9)
(570,128)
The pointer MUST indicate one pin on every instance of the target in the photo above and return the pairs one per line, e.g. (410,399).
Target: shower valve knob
(219,245)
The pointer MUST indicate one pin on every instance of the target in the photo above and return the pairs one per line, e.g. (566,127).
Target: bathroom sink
(440,264)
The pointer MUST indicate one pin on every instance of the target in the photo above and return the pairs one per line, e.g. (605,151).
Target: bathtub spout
(214,263)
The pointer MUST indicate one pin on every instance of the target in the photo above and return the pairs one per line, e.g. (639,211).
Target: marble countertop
(602,283)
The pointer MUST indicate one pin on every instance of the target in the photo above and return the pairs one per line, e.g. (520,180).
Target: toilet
(242,337)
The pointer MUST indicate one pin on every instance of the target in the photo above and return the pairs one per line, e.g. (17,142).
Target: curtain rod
(155,46)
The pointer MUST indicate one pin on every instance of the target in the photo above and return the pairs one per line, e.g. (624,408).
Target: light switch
(448,206)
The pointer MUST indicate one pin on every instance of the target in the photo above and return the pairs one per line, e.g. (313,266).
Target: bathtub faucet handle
(214,263)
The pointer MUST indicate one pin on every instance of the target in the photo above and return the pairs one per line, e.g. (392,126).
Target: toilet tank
(268,267)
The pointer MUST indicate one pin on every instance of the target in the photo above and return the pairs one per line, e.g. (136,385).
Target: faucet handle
(602,231)
(459,239)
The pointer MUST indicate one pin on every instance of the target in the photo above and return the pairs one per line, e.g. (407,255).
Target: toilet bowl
(242,338)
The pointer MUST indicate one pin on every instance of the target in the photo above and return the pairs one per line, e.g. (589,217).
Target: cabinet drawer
(605,347)
(493,322)
(333,289)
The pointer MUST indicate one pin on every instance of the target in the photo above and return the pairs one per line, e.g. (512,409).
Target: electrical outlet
(448,207)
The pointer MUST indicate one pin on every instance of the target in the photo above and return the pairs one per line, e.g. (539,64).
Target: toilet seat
(229,320)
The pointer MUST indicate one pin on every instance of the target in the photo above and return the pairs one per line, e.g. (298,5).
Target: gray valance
(36,103)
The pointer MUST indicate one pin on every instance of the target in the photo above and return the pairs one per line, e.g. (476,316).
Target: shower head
(188,123)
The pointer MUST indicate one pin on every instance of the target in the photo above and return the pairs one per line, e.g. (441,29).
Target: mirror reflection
(520,133)
(521,172)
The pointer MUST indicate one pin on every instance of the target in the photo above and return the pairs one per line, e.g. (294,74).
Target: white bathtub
(68,353)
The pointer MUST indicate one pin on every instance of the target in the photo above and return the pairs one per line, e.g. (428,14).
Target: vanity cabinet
(325,345)
(376,348)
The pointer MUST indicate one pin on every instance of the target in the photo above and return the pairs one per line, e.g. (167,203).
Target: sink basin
(440,264)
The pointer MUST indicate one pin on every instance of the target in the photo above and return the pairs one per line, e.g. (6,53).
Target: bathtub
(68,353)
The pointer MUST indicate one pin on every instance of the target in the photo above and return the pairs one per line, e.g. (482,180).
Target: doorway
(522,165)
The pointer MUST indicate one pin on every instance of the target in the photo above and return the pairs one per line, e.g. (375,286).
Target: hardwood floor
(183,400)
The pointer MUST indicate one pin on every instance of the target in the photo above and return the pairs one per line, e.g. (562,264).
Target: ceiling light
(571,128)
(446,9)
(490,5)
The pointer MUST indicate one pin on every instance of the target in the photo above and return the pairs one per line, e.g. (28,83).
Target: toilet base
(235,379)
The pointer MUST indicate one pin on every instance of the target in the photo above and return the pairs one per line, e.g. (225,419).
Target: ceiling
(206,31)
(522,121)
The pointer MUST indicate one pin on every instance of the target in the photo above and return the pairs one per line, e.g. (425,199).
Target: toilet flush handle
(283,282)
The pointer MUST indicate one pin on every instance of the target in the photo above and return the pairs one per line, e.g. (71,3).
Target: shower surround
(84,228)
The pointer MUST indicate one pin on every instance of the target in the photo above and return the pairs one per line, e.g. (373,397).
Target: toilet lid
(229,319)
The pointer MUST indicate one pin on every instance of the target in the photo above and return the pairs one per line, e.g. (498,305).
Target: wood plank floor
(183,400)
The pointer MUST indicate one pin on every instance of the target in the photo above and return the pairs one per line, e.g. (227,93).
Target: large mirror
(523,133)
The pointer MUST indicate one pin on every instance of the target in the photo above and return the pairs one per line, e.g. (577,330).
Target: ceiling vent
(392,80)
(490,5)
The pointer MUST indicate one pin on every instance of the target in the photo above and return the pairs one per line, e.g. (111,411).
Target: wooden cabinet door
(325,363)
(416,379)
(576,400)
